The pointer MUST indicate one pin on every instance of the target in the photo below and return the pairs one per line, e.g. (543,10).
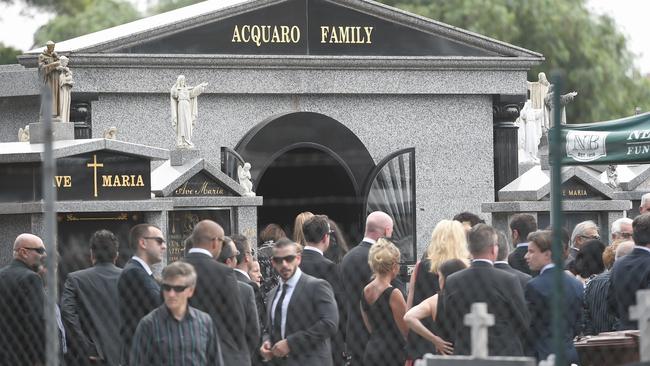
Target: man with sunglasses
(217,292)
(302,313)
(138,291)
(176,333)
(22,324)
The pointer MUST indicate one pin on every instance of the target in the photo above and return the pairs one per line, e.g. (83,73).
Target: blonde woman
(383,308)
(448,241)
(298,236)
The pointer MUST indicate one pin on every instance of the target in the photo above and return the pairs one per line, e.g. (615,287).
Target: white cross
(641,312)
(479,320)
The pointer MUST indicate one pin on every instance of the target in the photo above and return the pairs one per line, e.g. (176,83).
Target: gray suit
(312,318)
(90,310)
(252,329)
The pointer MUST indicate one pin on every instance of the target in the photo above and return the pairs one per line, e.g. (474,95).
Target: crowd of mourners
(308,300)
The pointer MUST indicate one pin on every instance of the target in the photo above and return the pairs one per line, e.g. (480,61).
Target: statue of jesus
(184,110)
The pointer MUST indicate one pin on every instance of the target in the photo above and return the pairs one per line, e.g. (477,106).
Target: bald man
(217,292)
(22,323)
(356,272)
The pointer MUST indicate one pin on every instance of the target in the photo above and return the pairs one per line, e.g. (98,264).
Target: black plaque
(202,184)
(20,182)
(181,224)
(576,189)
(103,175)
(306,27)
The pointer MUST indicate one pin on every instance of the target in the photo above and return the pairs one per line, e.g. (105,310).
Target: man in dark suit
(538,297)
(520,226)
(317,233)
(138,292)
(302,313)
(243,266)
(631,273)
(228,256)
(481,282)
(89,305)
(217,292)
(356,272)
(502,263)
(22,322)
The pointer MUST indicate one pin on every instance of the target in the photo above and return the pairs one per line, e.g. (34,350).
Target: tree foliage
(8,54)
(79,17)
(589,48)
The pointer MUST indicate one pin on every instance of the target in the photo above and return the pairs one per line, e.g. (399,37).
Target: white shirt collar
(371,241)
(143,263)
(243,272)
(313,249)
(642,247)
(548,266)
(522,245)
(201,250)
(501,262)
(294,279)
(483,260)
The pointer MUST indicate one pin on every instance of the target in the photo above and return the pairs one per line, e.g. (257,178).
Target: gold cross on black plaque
(95,165)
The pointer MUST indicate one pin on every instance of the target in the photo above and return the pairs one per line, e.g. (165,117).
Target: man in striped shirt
(175,333)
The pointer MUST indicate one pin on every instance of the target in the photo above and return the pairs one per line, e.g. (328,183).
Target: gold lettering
(116,181)
(67,181)
(64,181)
(295,34)
(266,35)
(140,182)
(235,35)
(125,181)
(368,34)
(276,36)
(334,38)
(343,34)
(256,35)
(245,36)
(323,33)
(107,180)
(285,34)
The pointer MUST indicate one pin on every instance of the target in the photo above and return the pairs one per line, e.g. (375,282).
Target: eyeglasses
(158,240)
(39,250)
(591,237)
(625,235)
(166,287)
(289,258)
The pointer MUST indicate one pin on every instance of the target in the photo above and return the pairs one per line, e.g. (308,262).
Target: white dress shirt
(291,285)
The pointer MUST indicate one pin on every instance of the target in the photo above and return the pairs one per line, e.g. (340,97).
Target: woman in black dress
(383,308)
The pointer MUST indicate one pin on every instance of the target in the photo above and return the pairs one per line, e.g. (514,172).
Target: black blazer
(516,260)
(521,276)
(22,322)
(538,297)
(90,311)
(217,293)
(316,265)
(138,294)
(259,298)
(629,274)
(481,282)
(312,318)
(356,272)
(253,335)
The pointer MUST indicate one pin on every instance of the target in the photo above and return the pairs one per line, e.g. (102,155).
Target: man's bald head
(378,224)
(208,235)
(624,249)
(27,240)
(29,249)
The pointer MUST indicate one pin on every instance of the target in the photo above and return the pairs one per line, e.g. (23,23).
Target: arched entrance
(307,162)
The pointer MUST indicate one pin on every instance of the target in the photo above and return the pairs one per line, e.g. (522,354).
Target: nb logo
(586,146)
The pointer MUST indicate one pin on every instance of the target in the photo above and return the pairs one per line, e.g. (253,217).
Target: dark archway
(307,161)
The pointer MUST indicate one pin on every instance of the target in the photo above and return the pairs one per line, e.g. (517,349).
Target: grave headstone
(479,320)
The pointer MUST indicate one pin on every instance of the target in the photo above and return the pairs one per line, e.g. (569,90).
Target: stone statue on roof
(48,68)
(65,89)
(184,107)
(244,175)
(549,107)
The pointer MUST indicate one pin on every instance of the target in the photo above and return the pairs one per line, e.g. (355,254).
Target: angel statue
(244,175)
(184,110)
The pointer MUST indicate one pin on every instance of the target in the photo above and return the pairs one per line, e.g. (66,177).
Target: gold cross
(94,165)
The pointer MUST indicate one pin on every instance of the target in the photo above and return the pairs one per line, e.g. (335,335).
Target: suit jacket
(22,322)
(90,310)
(516,260)
(356,271)
(253,335)
(629,274)
(259,298)
(217,293)
(521,276)
(316,265)
(538,296)
(138,294)
(312,318)
(481,282)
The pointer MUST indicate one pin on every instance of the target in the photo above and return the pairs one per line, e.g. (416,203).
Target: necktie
(277,317)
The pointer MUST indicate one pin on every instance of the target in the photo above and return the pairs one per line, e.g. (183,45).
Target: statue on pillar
(538,90)
(244,175)
(48,68)
(529,132)
(65,82)
(549,107)
(184,110)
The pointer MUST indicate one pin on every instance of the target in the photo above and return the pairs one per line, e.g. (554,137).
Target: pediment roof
(209,28)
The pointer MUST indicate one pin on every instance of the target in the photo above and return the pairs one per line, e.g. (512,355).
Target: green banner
(621,141)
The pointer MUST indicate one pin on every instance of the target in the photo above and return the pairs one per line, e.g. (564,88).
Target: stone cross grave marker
(641,312)
(479,320)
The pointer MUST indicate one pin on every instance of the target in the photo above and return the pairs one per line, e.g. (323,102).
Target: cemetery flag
(621,141)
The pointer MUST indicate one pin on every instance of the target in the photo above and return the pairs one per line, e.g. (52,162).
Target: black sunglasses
(167,288)
(289,258)
(158,240)
(39,250)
